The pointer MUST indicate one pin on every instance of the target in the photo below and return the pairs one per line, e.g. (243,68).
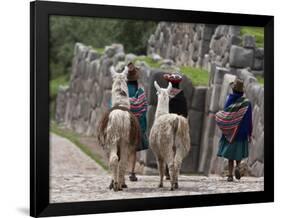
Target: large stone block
(105,64)
(259,53)
(198,98)
(215,96)
(150,117)
(111,50)
(241,57)
(225,89)
(195,124)
(234,30)
(92,55)
(249,41)
(257,169)
(190,162)
(219,75)
(252,92)
(258,64)
(260,147)
(235,40)
(206,146)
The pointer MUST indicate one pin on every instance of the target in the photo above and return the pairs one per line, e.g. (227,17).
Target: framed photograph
(142,109)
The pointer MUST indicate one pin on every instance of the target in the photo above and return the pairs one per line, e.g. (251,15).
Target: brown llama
(119,130)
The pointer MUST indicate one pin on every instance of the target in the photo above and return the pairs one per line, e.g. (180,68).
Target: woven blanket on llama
(229,119)
(138,103)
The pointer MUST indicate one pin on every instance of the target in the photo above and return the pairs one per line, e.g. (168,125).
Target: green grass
(260,80)
(149,61)
(74,138)
(258,32)
(55,83)
(99,50)
(198,76)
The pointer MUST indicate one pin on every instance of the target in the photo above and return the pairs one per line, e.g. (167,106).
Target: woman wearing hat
(177,103)
(138,107)
(235,122)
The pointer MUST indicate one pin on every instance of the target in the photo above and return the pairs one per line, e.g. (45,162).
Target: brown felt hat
(133,72)
(237,85)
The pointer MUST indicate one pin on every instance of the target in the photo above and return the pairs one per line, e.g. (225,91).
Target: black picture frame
(39,108)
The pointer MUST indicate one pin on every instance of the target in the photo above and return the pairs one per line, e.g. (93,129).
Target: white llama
(119,130)
(169,137)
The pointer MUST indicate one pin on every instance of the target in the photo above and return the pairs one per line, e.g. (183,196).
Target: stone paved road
(76,177)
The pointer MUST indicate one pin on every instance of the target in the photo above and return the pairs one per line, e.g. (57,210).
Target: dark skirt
(143,145)
(237,150)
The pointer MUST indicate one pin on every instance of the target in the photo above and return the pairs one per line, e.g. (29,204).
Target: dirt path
(76,177)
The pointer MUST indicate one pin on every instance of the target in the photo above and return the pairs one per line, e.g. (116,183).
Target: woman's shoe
(230,178)
(237,173)
(133,177)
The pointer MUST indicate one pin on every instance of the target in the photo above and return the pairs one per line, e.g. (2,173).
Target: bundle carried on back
(229,120)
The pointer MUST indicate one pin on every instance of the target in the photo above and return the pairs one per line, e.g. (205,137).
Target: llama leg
(113,165)
(171,167)
(177,171)
(122,166)
(161,168)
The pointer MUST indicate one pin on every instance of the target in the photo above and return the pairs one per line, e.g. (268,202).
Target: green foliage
(198,76)
(258,32)
(65,31)
(74,138)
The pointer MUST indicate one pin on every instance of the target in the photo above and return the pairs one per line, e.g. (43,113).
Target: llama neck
(120,101)
(162,108)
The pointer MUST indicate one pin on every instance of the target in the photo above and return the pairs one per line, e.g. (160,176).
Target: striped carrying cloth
(228,120)
(138,103)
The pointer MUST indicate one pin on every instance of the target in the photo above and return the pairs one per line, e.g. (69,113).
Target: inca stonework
(219,49)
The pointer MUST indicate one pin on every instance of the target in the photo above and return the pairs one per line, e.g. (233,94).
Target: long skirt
(143,145)
(237,150)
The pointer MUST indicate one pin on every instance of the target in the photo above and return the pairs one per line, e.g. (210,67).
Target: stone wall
(80,105)
(200,45)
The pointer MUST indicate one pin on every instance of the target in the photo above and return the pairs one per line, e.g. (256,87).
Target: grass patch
(74,138)
(55,83)
(198,76)
(149,61)
(260,79)
(99,50)
(258,32)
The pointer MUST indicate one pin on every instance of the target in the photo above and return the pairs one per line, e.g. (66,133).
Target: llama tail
(182,138)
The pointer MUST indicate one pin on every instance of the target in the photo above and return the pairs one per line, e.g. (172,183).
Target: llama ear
(156,86)
(169,87)
(112,71)
(125,71)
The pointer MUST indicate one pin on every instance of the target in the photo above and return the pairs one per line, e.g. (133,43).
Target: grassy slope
(74,138)
(258,32)
(198,76)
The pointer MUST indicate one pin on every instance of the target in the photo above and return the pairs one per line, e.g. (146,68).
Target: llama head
(162,93)
(120,93)
(119,76)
